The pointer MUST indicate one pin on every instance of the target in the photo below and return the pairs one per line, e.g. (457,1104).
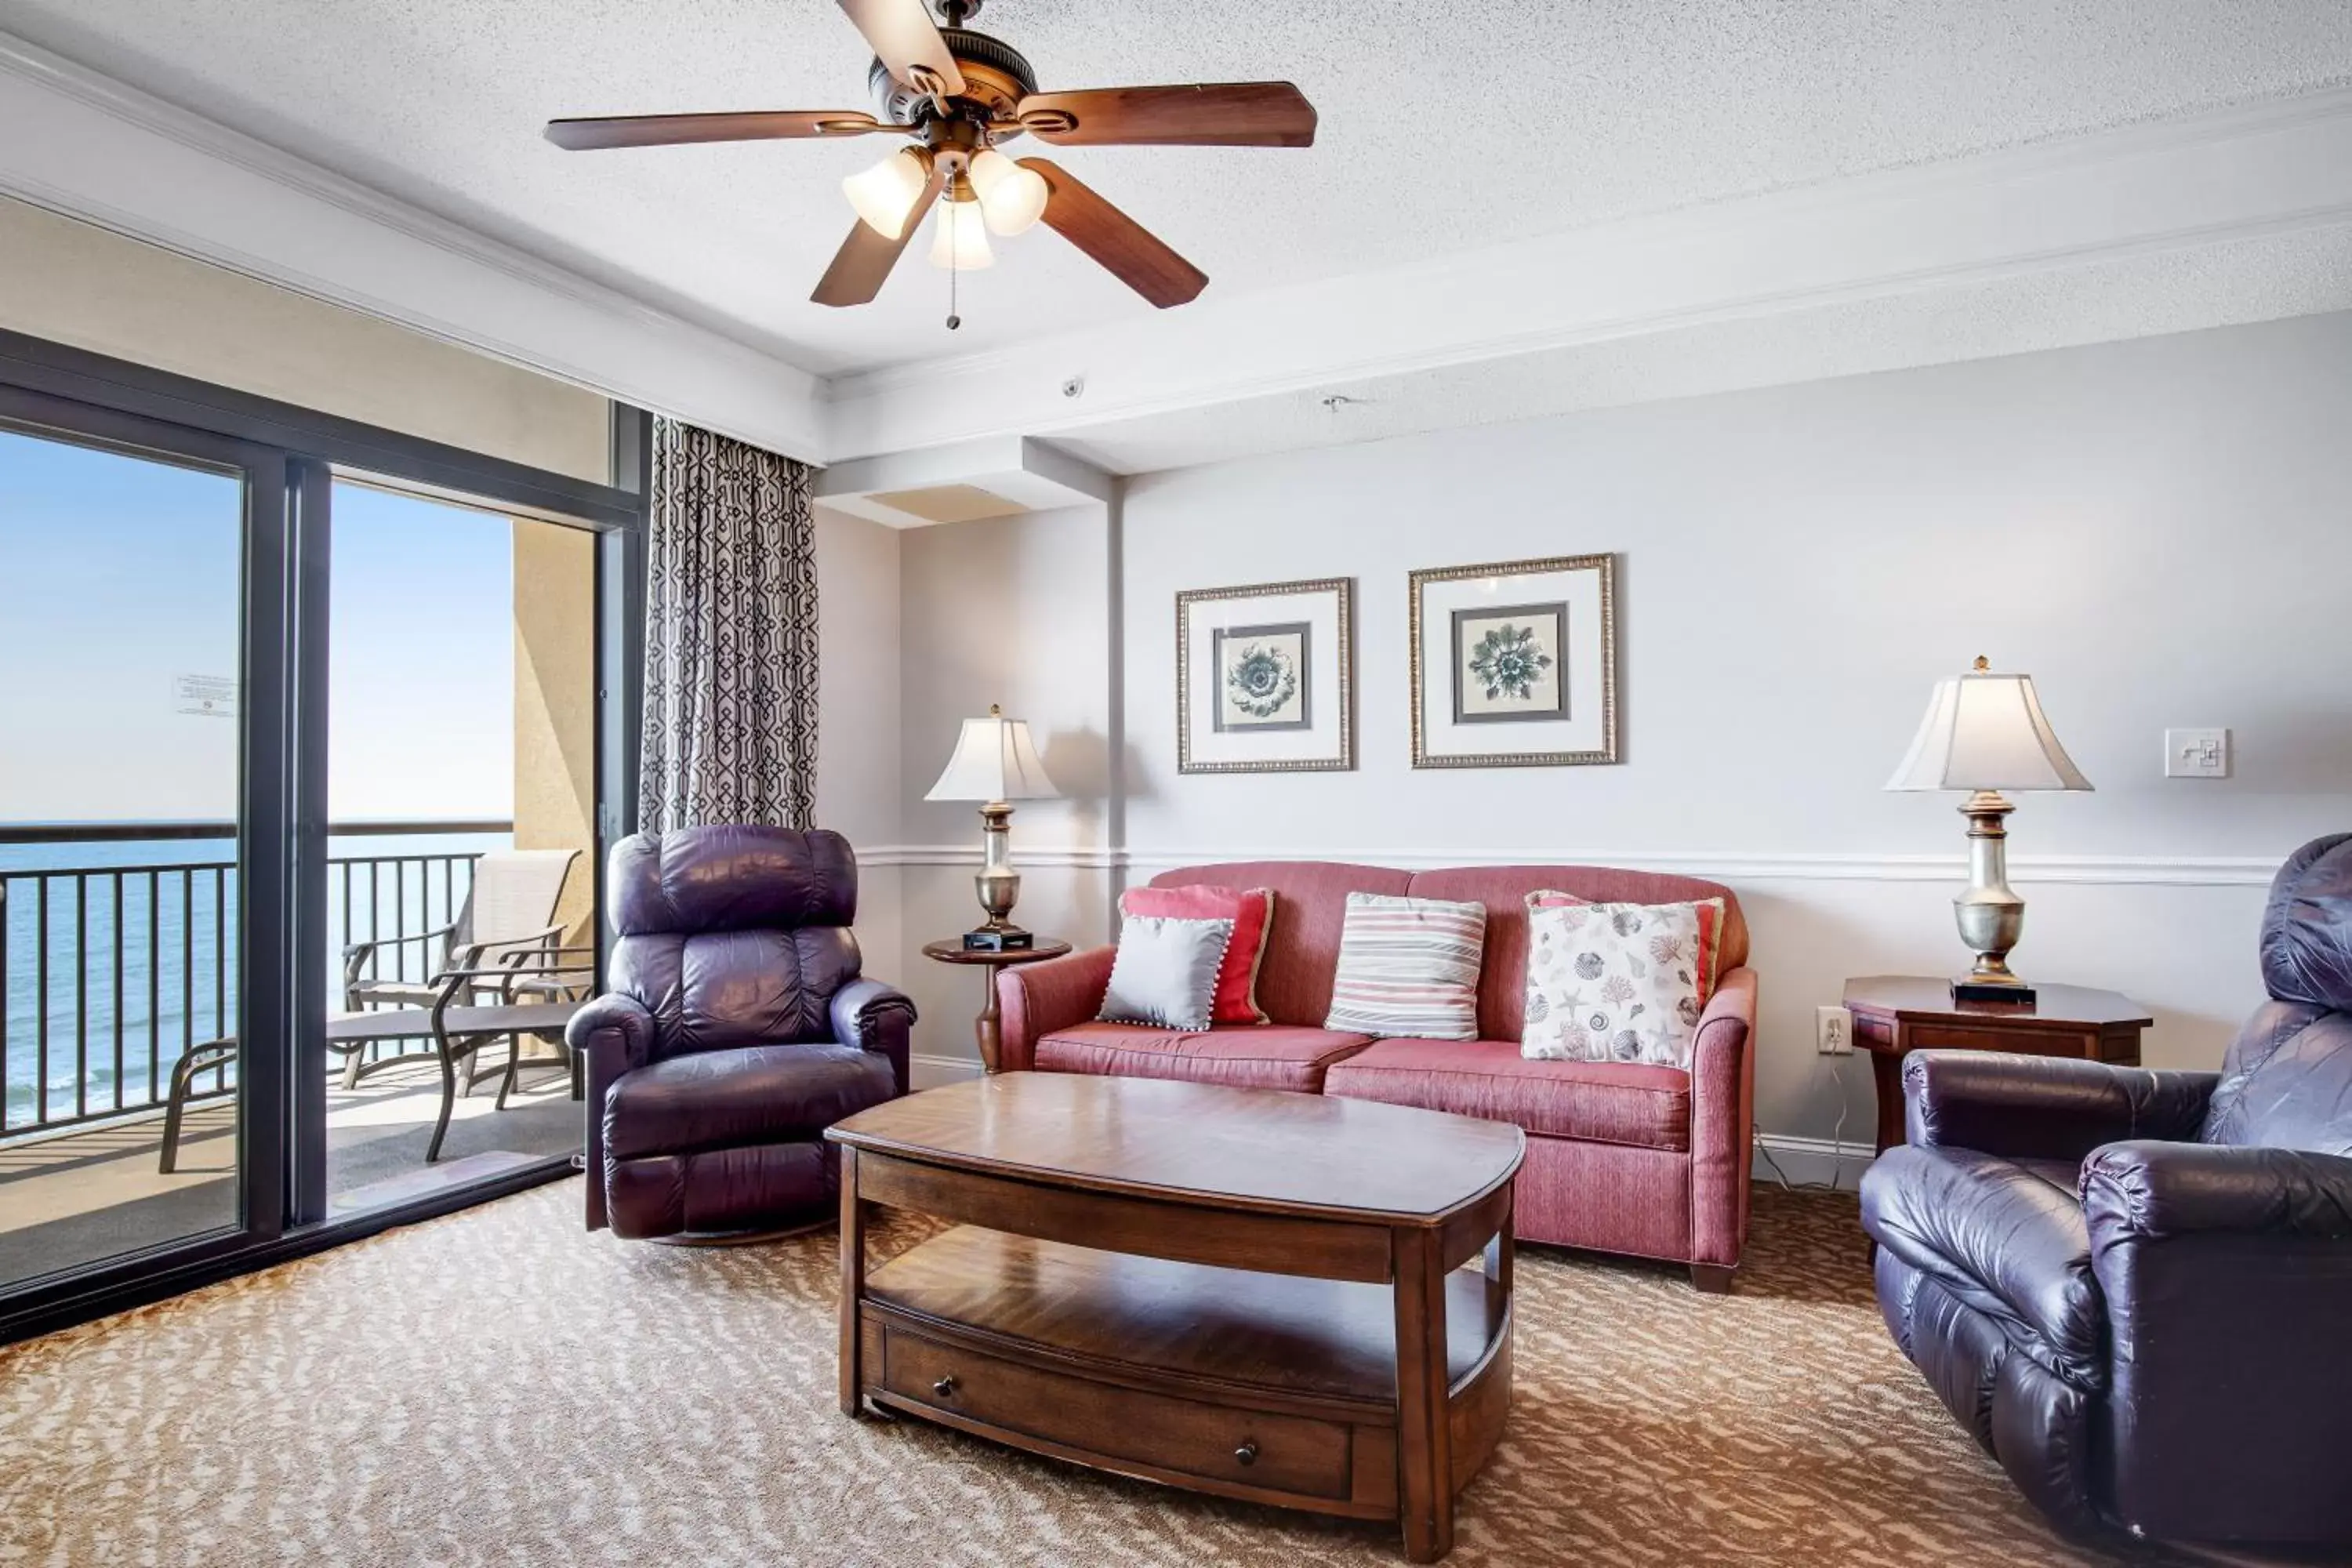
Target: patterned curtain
(730,636)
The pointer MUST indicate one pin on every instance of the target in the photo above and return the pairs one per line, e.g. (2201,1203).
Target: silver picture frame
(1323,656)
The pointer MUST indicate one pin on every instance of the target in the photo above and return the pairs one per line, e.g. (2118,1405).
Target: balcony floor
(81,1196)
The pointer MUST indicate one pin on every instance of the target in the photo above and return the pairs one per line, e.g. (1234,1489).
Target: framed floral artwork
(1264,678)
(1514,664)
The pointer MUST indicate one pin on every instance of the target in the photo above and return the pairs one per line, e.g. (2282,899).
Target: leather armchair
(738,1028)
(2132,1286)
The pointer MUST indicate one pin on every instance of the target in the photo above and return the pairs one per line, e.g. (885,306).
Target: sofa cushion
(1165,971)
(1408,967)
(723,1099)
(2005,1238)
(1504,889)
(1261,1056)
(1302,945)
(1250,909)
(1602,1102)
(1613,982)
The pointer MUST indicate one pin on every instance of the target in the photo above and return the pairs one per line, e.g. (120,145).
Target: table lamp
(1985,733)
(995,764)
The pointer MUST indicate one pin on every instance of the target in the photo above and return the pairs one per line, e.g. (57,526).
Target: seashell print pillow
(1613,982)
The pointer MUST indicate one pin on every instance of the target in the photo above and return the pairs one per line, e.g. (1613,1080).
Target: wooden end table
(1895,1014)
(987,1030)
(1239,1291)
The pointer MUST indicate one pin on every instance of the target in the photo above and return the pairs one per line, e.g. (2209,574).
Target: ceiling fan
(957,94)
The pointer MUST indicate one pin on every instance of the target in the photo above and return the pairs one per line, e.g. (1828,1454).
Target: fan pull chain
(954,320)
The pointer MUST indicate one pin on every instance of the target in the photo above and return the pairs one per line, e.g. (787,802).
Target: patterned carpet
(501,1387)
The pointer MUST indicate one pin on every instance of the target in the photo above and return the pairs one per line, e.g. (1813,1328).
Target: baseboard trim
(1732,867)
(1810,1161)
(934,1072)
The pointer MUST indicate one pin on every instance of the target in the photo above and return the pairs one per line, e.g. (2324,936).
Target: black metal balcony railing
(110,971)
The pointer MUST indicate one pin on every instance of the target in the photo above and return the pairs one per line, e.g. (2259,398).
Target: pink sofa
(1648,1161)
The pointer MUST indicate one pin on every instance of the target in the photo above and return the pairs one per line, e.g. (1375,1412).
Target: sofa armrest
(875,1016)
(2049,1108)
(2159,1190)
(611,1034)
(1036,999)
(1723,1116)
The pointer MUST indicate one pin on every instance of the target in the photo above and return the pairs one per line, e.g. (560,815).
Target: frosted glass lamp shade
(994,760)
(885,196)
(1011,198)
(960,238)
(1986,732)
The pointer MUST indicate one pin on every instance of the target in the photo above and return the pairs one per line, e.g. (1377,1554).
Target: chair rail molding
(1726,866)
(79,143)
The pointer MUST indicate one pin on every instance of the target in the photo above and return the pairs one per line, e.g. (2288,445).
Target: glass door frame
(291,455)
(264,871)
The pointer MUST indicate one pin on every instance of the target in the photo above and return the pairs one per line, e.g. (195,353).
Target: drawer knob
(945,1388)
(1246,1454)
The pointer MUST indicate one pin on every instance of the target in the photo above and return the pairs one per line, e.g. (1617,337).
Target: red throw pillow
(1710,933)
(1251,912)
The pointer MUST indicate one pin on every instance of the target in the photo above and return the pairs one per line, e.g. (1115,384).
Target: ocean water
(140,940)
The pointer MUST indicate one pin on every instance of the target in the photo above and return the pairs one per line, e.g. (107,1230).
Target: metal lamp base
(998,886)
(1990,916)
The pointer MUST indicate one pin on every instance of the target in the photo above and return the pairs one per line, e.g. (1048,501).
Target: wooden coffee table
(1241,1291)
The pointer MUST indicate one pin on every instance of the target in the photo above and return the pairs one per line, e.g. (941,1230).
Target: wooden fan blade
(670,130)
(1124,247)
(1203,114)
(905,39)
(866,257)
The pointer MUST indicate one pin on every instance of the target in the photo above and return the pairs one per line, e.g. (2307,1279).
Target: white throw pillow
(1409,967)
(1612,983)
(1166,972)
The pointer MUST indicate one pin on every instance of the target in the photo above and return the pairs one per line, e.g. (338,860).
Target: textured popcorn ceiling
(1445,127)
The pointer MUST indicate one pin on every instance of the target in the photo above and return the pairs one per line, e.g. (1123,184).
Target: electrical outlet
(1833,1031)
(2197,753)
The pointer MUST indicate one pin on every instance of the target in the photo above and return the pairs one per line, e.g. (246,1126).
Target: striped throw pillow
(1409,966)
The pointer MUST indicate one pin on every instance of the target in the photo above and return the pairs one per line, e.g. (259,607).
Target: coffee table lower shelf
(1266,1388)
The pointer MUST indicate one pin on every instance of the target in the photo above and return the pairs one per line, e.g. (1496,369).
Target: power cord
(1837,1140)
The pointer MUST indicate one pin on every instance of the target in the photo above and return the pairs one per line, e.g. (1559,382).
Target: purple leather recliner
(736,1031)
(2135,1288)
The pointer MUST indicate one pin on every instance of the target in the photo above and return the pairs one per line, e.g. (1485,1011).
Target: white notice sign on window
(206,696)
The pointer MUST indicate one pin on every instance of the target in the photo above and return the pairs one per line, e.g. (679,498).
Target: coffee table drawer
(1211,1442)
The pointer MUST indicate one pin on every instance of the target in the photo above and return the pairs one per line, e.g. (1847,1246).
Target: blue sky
(118,575)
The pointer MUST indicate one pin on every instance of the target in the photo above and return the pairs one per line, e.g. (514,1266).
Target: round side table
(987,1030)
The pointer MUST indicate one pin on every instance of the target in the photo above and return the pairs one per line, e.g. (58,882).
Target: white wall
(2157,530)
(1016,611)
(858,716)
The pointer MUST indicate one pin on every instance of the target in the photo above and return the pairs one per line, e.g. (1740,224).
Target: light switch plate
(2197,753)
(1834,1032)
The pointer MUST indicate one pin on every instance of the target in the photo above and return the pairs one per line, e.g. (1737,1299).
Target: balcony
(118,953)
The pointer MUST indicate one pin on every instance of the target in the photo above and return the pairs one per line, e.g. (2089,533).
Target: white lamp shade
(1011,198)
(994,760)
(1986,732)
(960,237)
(885,196)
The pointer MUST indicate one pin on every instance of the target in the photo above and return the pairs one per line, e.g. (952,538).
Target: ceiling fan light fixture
(1011,198)
(885,196)
(960,238)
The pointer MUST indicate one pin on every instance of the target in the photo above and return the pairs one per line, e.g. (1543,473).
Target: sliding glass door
(298,719)
(142,571)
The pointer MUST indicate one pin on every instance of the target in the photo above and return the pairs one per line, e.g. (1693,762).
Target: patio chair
(508,913)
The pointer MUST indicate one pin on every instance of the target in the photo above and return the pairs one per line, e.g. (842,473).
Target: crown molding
(79,143)
(1724,866)
(2264,169)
